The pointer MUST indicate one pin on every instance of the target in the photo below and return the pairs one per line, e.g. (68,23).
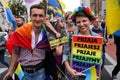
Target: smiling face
(83,24)
(37,17)
(69,21)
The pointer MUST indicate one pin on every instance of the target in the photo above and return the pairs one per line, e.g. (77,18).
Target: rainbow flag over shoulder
(19,72)
(25,38)
(9,15)
(90,73)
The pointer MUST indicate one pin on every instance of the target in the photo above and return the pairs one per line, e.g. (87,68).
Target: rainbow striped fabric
(59,13)
(22,37)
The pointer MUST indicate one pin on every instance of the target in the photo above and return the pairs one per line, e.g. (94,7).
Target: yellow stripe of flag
(112,15)
(93,72)
(18,69)
(62,4)
(5,4)
(19,72)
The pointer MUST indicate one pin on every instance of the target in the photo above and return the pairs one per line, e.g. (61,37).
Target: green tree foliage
(0,4)
(44,3)
(1,8)
(17,7)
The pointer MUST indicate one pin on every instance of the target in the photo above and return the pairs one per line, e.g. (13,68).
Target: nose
(37,18)
(81,23)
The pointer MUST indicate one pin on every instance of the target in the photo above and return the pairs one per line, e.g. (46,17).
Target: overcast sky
(71,4)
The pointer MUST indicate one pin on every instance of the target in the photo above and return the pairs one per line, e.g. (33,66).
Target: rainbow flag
(62,4)
(9,15)
(54,3)
(91,73)
(23,37)
(112,15)
(19,72)
(59,13)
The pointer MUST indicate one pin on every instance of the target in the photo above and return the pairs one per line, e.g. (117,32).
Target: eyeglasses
(40,15)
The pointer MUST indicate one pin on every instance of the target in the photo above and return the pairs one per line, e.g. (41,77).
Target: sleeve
(16,50)
(66,51)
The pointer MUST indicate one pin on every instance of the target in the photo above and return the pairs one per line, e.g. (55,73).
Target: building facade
(97,6)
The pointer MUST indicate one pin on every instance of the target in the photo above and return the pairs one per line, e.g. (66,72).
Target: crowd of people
(30,46)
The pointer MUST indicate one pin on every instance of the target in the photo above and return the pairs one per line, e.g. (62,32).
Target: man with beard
(20,21)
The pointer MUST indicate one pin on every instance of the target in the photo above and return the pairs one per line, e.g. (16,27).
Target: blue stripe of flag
(54,3)
(10,17)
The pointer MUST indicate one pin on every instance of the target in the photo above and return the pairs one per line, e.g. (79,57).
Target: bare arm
(49,25)
(11,67)
(58,50)
(72,71)
(13,61)
(67,65)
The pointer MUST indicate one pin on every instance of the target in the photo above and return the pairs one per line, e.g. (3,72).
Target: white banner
(29,3)
(71,4)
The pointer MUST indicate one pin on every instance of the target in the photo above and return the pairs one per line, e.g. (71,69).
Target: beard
(18,25)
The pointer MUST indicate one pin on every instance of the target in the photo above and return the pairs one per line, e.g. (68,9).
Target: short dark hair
(82,14)
(38,6)
(67,14)
(21,18)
